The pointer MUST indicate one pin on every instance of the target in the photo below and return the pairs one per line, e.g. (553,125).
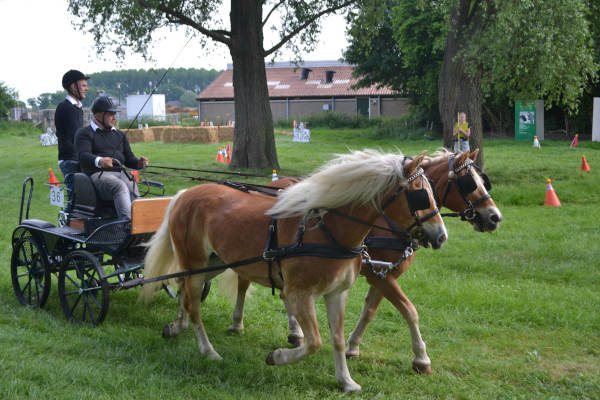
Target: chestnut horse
(337,205)
(458,187)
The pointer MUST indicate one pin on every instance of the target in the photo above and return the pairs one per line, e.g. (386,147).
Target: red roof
(284,80)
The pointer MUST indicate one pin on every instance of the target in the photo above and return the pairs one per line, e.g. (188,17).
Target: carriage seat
(86,201)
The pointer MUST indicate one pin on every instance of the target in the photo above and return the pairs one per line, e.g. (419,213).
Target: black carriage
(90,252)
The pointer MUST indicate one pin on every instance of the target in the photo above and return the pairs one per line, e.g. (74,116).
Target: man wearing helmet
(102,150)
(68,118)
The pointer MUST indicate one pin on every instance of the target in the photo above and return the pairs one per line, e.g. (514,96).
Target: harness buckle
(269,255)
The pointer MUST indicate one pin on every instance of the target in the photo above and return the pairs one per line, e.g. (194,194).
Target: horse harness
(466,185)
(417,200)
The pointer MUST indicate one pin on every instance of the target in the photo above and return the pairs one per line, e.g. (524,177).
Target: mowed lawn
(511,315)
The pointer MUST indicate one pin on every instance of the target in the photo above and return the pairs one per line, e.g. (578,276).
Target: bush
(405,127)
(18,128)
(327,119)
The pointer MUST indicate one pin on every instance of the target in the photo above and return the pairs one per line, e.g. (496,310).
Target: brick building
(296,91)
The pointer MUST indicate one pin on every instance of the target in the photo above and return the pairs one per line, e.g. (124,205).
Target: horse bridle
(417,200)
(466,185)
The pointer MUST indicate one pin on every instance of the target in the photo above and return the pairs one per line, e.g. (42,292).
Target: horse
(331,211)
(464,191)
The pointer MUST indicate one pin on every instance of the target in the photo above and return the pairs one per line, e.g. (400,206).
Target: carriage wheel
(82,288)
(30,272)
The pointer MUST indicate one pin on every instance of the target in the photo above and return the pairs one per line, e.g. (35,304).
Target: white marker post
(596,121)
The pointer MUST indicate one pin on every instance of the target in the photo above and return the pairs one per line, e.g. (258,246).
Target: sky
(39,44)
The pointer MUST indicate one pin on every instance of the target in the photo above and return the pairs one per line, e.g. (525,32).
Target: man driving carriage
(102,150)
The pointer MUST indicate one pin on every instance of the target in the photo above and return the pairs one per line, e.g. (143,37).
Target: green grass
(512,315)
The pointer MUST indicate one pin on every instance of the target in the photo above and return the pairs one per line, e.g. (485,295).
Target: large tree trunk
(459,92)
(254,141)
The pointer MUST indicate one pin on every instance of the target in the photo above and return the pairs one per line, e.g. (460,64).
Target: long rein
(273,252)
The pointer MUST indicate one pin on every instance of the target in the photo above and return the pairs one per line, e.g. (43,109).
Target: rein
(274,253)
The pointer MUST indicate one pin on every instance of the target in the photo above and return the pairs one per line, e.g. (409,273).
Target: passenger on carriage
(68,119)
(102,150)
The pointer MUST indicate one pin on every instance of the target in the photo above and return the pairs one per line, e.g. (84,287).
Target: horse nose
(496,218)
(439,241)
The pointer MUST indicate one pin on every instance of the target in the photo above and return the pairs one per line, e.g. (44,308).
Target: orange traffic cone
(584,164)
(575,141)
(274,177)
(220,156)
(229,150)
(551,197)
(536,142)
(51,178)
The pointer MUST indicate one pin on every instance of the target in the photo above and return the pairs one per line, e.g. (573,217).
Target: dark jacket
(102,143)
(68,118)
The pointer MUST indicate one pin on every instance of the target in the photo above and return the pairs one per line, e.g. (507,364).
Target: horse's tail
(160,258)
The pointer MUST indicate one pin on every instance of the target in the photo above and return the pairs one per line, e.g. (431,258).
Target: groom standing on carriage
(103,150)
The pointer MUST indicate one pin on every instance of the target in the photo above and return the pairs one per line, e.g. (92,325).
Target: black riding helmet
(103,104)
(72,76)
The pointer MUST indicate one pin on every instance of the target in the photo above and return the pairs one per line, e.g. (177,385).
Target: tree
(8,100)
(511,49)
(400,45)
(130,24)
(188,99)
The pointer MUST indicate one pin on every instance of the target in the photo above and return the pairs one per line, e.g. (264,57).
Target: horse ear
(460,159)
(473,154)
(412,166)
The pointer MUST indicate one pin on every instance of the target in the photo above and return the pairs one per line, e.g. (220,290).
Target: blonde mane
(349,179)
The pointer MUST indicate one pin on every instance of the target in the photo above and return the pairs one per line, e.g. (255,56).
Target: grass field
(512,315)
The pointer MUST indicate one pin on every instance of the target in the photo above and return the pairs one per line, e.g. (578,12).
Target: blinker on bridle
(417,200)
(466,185)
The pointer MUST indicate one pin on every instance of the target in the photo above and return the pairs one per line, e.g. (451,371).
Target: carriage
(90,252)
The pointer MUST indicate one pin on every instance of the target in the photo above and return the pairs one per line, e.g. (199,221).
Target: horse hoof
(295,340)
(352,387)
(270,360)
(233,329)
(352,356)
(422,369)
(166,332)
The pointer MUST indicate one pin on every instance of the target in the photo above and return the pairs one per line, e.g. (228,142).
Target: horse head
(466,190)
(428,226)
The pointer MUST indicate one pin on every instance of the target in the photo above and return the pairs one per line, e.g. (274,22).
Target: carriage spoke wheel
(30,272)
(82,288)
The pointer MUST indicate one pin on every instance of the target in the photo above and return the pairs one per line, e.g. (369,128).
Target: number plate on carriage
(57,196)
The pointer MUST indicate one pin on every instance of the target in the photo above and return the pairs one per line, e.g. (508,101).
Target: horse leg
(181,323)
(372,302)
(237,325)
(392,291)
(303,307)
(336,306)
(193,305)
(295,336)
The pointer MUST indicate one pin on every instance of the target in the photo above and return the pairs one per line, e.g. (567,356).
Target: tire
(82,288)
(30,272)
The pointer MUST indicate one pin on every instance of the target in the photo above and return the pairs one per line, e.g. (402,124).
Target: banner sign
(525,120)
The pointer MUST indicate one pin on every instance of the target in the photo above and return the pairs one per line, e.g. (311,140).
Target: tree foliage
(130,24)
(400,44)
(178,81)
(529,49)
(515,49)
(8,100)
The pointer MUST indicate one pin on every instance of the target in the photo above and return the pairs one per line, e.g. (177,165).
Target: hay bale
(225,133)
(139,135)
